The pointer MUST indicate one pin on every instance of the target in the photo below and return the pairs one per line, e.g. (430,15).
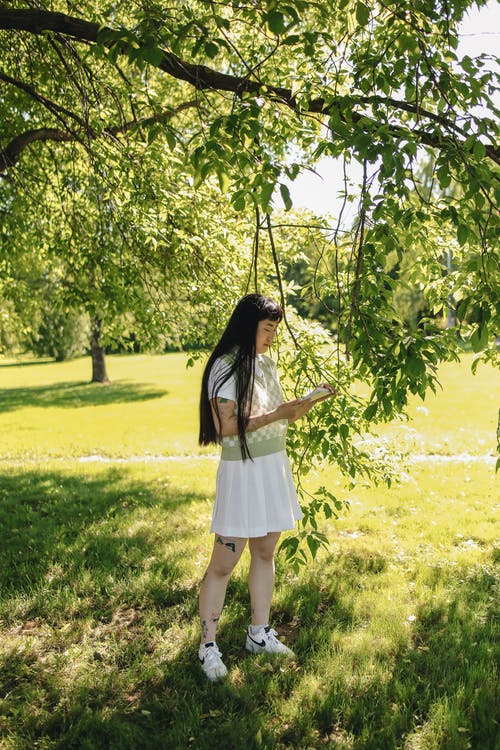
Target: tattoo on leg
(229,545)
(204,629)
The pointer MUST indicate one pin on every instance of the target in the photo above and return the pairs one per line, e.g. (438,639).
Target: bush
(62,335)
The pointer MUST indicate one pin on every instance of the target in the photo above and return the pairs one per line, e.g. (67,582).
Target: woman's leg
(226,553)
(261,577)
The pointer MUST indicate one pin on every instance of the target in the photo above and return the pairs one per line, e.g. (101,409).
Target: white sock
(254,629)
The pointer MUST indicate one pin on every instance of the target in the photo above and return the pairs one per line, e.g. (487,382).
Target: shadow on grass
(51,520)
(117,679)
(442,688)
(74,395)
(28,363)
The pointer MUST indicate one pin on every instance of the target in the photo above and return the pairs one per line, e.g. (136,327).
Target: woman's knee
(225,556)
(263,548)
(221,568)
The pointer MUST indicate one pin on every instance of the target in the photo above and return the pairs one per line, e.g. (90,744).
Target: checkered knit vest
(267,395)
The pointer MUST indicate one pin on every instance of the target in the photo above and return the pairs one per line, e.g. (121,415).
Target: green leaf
(211,49)
(114,52)
(224,180)
(152,55)
(289,546)
(415,366)
(444,176)
(170,138)
(276,22)
(291,40)
(266,195)
(285,195)
(479,339)
(313,545)
(479,150)
(462,308)
(462,233)
(238,200)
(362,14)
(407,43)
(222,22)
(370,411)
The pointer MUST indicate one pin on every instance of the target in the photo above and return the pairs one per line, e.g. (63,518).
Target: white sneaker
(211,662)
(266,641)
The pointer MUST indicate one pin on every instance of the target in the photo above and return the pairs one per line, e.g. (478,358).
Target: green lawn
(395,629)
(52,410)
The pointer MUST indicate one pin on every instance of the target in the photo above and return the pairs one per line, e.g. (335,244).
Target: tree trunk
(99,374)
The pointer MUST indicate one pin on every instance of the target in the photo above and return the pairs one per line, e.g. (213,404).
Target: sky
(480,33)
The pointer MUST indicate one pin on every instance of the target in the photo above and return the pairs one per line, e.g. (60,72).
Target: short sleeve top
(267,395)
(220,367)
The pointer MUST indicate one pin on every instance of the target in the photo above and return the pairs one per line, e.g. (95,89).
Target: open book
(316,393)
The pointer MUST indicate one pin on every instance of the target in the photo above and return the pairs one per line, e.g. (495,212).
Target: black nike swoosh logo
(258,643)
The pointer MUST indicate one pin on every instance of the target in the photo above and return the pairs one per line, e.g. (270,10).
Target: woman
(241,407)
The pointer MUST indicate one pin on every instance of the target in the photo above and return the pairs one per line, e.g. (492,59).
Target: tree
(345,69)
(248,95)
(140,265)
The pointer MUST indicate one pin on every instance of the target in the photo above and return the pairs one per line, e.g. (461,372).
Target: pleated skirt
(255,498)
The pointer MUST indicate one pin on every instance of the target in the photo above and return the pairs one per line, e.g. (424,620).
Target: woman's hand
(329,387)
(292,410)
(299,407)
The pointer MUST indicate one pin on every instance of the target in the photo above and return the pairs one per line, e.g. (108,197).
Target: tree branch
(55,109)
(202,77)
(10,155)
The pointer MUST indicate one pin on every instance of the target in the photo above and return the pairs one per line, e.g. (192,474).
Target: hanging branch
(280,281)
(255,253)
(360,238)
(256,245)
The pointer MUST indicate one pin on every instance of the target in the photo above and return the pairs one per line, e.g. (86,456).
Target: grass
(149,408)
(395,629)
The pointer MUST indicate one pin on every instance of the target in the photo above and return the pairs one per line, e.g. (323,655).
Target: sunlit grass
(53,410)
(395,627)
(461,417)
(151,407)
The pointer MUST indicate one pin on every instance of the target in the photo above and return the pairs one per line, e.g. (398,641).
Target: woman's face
(266,331)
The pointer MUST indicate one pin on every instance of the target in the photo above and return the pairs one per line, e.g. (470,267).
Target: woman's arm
(225,420)
(226,423)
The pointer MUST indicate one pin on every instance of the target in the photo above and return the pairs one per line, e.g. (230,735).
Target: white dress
(254,497)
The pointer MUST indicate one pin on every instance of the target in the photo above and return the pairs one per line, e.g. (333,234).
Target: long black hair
(238,340)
